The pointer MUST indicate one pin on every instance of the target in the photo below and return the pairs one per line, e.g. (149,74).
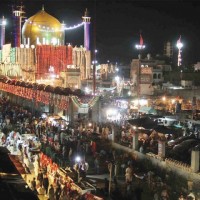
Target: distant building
(147,73)
(168,49)
(197,66)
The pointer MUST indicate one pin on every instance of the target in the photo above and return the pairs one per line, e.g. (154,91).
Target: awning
(164,130)
(18,164)
(6,165)
(147,110)
(144,122)
(106,89)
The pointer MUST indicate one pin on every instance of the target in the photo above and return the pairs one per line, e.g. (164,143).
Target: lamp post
(110,177)
(139,47)
(181,75)
(117,80)
(33,99)
(78,160)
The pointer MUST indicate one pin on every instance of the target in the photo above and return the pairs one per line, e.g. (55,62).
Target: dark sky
(119,22)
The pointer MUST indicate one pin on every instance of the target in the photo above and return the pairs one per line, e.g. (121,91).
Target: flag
(141,40)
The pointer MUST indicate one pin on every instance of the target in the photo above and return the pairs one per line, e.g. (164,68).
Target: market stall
(66,177)
(57,120)
(27,142)
(81,186)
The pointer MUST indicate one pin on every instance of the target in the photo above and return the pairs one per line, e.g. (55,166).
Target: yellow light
(143,102)
(164,98)
(173,101)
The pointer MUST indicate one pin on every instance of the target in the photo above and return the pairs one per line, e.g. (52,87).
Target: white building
(146,73)
(197,66)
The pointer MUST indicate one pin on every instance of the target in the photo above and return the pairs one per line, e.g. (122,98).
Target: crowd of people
(26,135)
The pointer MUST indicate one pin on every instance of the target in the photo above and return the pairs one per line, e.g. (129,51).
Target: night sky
(118,24)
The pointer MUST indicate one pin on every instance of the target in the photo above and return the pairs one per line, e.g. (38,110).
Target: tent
(20,168)
(106,89)
(164,130)
(144,122)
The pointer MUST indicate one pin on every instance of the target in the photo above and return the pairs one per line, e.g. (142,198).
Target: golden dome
(44,29)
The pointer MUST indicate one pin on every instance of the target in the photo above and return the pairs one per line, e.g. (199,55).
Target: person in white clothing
(26,161)
(128,174)
(36,167)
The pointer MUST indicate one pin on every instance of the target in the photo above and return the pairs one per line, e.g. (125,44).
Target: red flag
(141,40)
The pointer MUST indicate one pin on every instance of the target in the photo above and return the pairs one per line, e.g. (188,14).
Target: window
(154,76)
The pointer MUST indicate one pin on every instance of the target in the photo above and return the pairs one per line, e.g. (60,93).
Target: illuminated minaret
(140,47)
(17,18)
(179,45)
(2,34)
(86,20)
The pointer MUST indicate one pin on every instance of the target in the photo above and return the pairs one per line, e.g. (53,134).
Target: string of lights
(46,28)
(79,104)
(74,27)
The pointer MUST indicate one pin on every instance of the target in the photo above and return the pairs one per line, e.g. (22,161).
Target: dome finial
(86,13)
(43,7)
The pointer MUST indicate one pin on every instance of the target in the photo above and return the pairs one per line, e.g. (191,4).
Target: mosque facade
(39,53)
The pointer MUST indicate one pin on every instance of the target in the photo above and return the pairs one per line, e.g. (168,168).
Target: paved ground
(29,178)
(146,193)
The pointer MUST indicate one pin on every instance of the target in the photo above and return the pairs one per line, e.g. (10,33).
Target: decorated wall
(57,57)
(44,62)
(58,97)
